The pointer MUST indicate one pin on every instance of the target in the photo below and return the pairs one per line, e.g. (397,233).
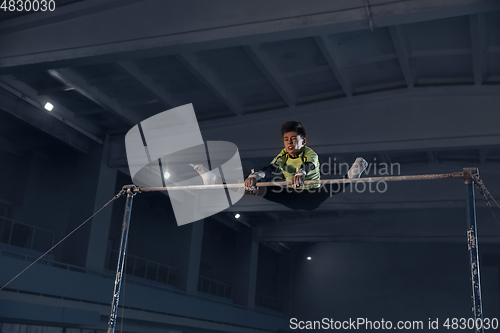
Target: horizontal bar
(454,175)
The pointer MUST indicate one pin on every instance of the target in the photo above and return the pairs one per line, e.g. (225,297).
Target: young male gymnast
(296,163)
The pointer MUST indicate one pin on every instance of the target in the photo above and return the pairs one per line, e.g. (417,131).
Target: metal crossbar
(454,175)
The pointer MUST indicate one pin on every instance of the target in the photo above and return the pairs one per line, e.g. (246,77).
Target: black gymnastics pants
(307,199)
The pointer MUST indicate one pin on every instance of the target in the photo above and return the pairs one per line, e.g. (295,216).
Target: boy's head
(294,137)
(293,126)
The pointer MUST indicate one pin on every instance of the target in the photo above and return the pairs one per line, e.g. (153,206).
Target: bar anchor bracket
(470,174)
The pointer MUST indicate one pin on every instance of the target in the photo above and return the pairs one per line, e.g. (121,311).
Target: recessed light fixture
(309,258)
(237,215)
(166,175)
(48,106)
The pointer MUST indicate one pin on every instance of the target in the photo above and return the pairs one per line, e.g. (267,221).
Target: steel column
(472,244)
(121,260)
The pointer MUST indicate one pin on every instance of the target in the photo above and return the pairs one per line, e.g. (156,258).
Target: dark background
(408,84)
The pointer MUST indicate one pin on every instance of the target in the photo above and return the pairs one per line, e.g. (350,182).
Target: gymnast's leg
(307,199)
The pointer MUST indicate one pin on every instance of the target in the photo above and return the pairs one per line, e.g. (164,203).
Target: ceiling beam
(111,34)
(395,134)
(390,85)
(166,98)
(60,112)
(106,79)
(330,54)
(89,112)
(210,80)
(478,42)
(266,106)
(431,81)
(403,53)
(69,77)
(268,68)
(138,103)
(439,53)
(306,71)
(51,90)
(321,97)
(159,68)
(24,110)
(370,60)
(363,101)
(250,82)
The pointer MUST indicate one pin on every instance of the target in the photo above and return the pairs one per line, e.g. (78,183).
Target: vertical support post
(247,250)
(99,228)
(472,244)
(190,246)
(121,260)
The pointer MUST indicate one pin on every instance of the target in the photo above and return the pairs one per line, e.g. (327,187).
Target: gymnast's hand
(298,179)
(250,183)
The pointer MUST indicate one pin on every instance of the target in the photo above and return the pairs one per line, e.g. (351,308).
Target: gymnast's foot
(357,168)
(207,175)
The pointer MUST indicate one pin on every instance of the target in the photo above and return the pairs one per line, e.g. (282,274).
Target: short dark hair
(293,126)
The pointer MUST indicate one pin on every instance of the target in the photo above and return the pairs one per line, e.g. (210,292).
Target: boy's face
(293,143)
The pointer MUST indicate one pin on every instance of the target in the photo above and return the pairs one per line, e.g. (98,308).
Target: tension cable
(119,194)
(485,194)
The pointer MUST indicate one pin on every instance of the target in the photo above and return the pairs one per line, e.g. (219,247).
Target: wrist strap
(301,172)
(257,175)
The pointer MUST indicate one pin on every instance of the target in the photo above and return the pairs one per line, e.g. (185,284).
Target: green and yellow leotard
(307,160)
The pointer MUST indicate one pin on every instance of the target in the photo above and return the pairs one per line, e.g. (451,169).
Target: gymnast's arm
(267,173)
(301,173)
(273,170)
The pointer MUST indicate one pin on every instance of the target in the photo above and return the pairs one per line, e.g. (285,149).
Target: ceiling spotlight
(48,106)
(309,258)
(237,216)
(166,175)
